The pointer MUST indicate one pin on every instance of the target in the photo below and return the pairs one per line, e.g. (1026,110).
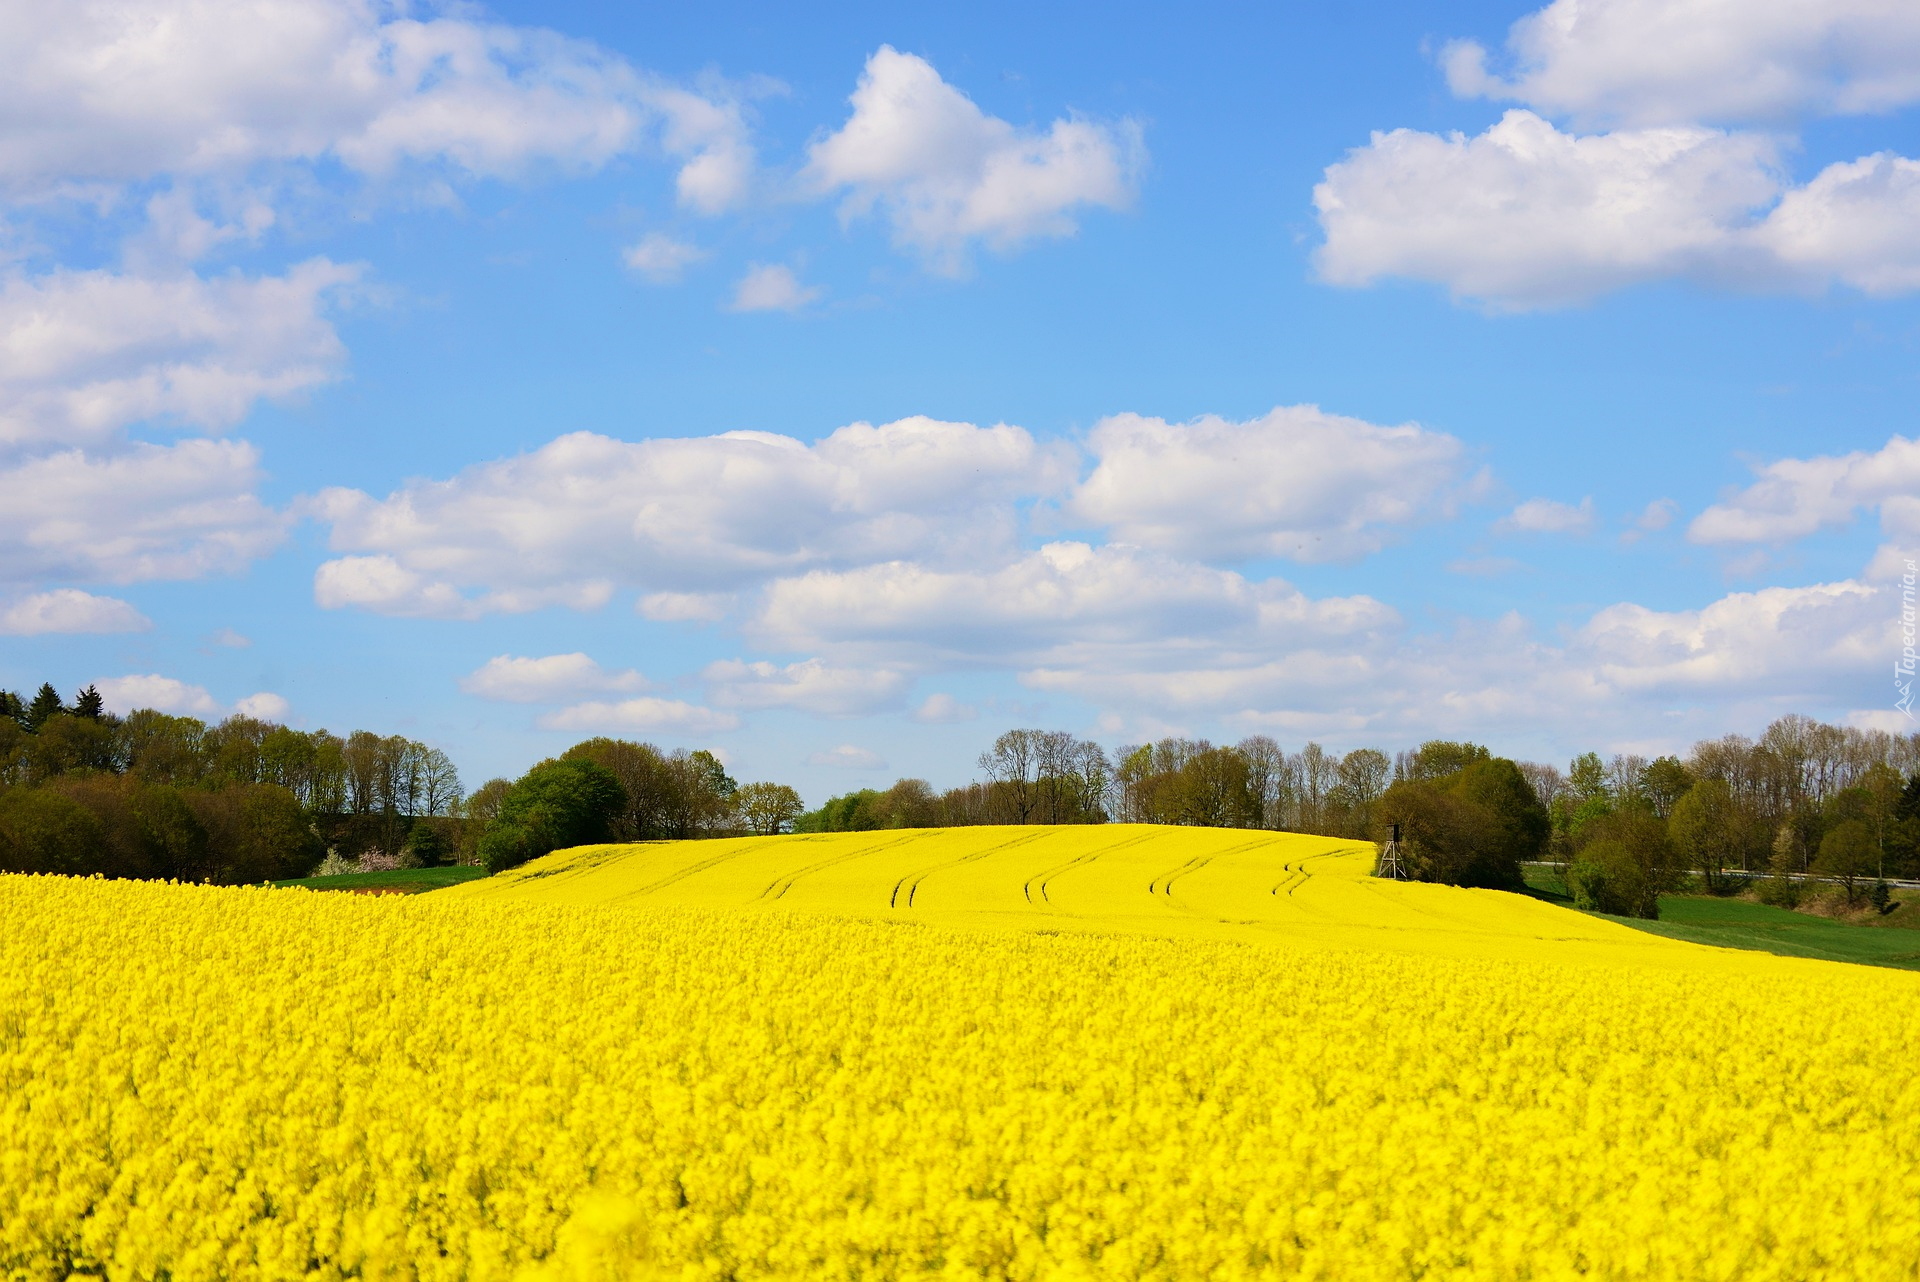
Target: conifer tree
(89,704)
(45,705)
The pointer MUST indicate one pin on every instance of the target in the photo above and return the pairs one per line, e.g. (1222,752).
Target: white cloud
(945,173)
(1658,515)
(848,757)
(684,607)
(808,686)
(1296,482)
(1549,516)
(553,678)
(1777,640)
(86,353)
(1524,215)
(104,92)
(1772,651)
(939,709)
(1661,61)
(148,512)
(1794,497)
(1050,605)
(772,287)
(384,586)
(647,715)
(681,516)
(263,706)
(69,610)
(164,694)
(1857,223)
(661,258)
(229,639)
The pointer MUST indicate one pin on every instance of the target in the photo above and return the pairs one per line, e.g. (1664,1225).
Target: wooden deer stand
(1389,865)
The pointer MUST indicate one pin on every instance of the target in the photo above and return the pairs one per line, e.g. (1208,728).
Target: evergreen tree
(12,706)
(46,704)
(89,704)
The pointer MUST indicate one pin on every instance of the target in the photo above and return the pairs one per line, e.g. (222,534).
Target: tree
(1011,763)
(41,831)
(1664,782)
(1847,854)
(1706,829)
(1587,779)
(89,704)
(768,808)
(46,704)
(554,805)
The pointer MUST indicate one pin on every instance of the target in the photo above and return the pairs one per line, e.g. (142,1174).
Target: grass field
(1090,1053)
(410,881)
(1740,923)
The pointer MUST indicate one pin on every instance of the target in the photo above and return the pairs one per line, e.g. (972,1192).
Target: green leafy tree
(768,808)
(1847,854)
(1706,827)
(1609,876)
(1664,782)
(1587,778)
(554,805)
(44,832)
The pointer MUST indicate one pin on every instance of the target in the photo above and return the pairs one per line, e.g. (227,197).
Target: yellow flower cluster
(1093,1053)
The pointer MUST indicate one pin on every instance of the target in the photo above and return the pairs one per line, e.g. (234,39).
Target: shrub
(1608,876)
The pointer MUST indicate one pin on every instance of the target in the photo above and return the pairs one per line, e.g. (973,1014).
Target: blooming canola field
(1117,1052)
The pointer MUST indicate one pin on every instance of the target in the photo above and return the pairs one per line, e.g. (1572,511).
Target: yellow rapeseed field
(986,1053)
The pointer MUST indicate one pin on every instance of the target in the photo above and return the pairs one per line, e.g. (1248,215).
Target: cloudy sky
(838,387)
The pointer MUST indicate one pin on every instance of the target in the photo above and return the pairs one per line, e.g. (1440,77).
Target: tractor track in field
(700,867)
(911,882)
(1163,884)
(1045,877)
(780,885)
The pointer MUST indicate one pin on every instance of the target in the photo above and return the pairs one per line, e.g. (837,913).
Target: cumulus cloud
(552,678)
(848,756)
(772,287)
(1063,599)
(646,715)
(384,586)
(169,694)
(945,173)
(69,610)
(164,694)
(684,607)
(680,516)
(1795,497)
(1525,215)
(1530,215)
(263,707)
(939,709)
(103,92)
(147,512)
(1771,651)
(661,258)
(1549,516)
(1296,482)
(86,353)
(1665,61)
(1857,222)
(1775,640)
(808,686)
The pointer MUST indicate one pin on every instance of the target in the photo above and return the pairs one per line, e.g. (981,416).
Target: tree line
(1805,799)
(84,791)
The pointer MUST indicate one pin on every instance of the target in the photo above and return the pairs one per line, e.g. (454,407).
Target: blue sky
(1450,370)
